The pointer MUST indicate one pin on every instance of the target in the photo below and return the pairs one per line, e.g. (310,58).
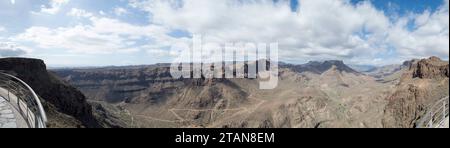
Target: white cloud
(101,36)
(77,39)
(120,11)
(54,6)
(308,33)
(8,49)
(13,2)
(102,13)
(79,13)
(429,37)
(2,29)
(320,29)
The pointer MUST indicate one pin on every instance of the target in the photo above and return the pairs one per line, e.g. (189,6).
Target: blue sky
(407,6)
(134,32)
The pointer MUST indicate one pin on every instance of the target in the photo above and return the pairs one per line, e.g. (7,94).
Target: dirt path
(238,111)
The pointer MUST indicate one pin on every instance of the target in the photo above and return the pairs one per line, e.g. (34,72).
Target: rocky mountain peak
(321,67)
(334,62)
(431,68)
(423,84)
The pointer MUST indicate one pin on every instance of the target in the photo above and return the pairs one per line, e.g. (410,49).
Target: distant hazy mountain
(388,70)
(363,68)
(321,67)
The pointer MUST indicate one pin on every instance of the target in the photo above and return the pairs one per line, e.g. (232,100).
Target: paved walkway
(7,116)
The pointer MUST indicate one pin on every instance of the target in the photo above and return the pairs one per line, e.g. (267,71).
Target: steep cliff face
(424,83)
(64,104)
(432,68)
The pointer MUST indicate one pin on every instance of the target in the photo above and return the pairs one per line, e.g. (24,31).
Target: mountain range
(312,95)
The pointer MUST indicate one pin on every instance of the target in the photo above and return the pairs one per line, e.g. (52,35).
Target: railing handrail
(35,98)
(434,112)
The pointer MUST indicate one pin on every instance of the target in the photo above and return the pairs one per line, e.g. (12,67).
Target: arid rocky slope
(312,95)
(423,83)
(316,94)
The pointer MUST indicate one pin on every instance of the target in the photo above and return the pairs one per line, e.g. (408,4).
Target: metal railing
(22,97)
(436,115)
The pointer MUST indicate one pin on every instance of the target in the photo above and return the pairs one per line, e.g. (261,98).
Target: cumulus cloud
(54,6)
(315,30)
(429,35)
(342,30)
(10,50)
(102,35)
(75,12)
(120,11)
(318,29)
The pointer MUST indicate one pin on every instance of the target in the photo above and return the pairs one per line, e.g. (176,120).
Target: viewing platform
(20,107)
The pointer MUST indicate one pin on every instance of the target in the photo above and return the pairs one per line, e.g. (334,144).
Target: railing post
(443,112)
(9,98)
(430,123)
(432,117)
(36,122)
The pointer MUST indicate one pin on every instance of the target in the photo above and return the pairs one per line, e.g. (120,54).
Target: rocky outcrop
(405,107)
(422,85)
(65,105)
(432,68)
